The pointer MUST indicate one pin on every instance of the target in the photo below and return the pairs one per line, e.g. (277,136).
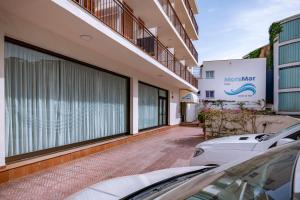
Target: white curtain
(148,106)
(52,102)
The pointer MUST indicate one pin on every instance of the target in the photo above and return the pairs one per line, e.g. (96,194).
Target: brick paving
(173,148)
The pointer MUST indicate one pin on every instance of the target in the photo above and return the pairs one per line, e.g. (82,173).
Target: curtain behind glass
(52,102)
(148,106)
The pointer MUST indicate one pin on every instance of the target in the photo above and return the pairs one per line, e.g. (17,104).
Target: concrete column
(171,112)
(174,106)
(2,102)
(134,106)
(276,75)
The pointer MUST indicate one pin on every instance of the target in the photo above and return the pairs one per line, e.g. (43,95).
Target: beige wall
(28,32)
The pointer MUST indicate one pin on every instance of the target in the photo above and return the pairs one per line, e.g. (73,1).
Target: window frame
(211,74)
(209,92)
(43,152)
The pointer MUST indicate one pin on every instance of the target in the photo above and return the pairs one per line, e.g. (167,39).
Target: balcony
(191,14)
(119,17)
(170,12)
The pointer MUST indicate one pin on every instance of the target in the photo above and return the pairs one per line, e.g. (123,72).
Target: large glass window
(289,77)
(52,102)
(289,53)
(290,30)
(210,74)
(153,106)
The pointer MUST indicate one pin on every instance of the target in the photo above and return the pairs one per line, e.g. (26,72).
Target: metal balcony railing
(169,10)
(118,16)
(191,14)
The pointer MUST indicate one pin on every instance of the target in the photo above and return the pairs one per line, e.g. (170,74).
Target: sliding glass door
(153,106)
(52,102)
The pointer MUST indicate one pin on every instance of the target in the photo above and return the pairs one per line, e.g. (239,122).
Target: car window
(257,179)
(271,136)
(294,136)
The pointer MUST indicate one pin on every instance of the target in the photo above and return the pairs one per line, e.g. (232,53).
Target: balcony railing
(119,17)
(169,10)
(191,14)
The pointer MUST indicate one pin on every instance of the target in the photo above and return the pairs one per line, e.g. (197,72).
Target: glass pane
(52,102)
(290,30)
(148,106)
(289,77)
(289,101)
(262,178)
(289,53)
(163,93)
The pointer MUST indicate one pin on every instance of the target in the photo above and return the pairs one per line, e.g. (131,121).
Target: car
(227,149)
(274,174)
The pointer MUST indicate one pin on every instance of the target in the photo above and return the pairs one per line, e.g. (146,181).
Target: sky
(230,29)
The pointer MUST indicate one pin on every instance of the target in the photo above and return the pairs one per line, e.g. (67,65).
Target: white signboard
(235,80)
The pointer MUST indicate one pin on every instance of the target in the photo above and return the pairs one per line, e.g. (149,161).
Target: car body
(274,175)
(227,149)
(117,188)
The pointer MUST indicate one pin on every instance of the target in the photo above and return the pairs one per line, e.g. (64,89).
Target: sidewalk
(171,149)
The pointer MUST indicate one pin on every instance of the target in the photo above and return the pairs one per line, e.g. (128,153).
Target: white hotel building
(233,81)
(76,72)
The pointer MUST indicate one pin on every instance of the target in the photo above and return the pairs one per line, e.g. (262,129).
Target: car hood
(123,186)
(237,142)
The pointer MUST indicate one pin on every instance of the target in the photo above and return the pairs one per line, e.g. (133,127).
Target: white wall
(191,112)
(2,102)
(134,108)
(229,76)
(276,74)
(174,106)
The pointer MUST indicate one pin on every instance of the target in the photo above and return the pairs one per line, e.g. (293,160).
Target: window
(210,74)
(210,94)
(263,178)
(294,136)
(153,106)
(52,102)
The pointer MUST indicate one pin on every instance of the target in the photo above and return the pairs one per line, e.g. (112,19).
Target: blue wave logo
(246,87)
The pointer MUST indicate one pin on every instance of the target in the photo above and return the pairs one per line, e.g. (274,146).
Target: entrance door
(162,118)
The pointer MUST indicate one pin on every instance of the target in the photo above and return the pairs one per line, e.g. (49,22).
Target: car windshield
(270,136)
(262,178)
(165,185)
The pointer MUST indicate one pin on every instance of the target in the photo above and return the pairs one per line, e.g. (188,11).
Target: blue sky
(230,29)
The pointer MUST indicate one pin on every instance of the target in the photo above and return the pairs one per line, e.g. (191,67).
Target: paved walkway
(171,149)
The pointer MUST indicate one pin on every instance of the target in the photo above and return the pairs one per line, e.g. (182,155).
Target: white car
(274,175)
(219,151)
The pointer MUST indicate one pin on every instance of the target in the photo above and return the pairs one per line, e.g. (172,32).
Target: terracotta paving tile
(171,149)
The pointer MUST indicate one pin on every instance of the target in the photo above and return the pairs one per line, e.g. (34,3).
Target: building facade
(233,81)
(76,72)
(287,67)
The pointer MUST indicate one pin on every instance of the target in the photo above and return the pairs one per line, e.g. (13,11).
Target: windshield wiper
(162,185)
